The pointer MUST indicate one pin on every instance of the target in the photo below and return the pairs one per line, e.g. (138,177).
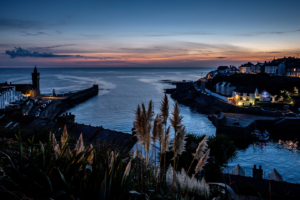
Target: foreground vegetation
(62,169)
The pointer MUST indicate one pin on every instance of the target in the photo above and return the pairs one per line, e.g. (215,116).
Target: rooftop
(245,90)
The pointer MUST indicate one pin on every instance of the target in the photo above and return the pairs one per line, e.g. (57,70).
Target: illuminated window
(294,69)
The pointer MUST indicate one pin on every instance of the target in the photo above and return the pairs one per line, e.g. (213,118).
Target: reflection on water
(121,90)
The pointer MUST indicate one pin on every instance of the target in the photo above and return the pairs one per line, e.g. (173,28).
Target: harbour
(113,82)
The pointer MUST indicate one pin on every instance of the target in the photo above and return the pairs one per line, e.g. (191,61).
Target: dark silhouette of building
(257,173)
(36,81)
(28,89)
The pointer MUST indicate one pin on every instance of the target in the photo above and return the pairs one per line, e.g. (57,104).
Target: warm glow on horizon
(147,34)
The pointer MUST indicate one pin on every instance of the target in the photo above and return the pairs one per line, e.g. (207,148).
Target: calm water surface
(121,90)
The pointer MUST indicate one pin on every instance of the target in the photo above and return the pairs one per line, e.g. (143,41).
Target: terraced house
(293,70)
(8,95)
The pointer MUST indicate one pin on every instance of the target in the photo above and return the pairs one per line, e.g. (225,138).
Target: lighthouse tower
(36,81)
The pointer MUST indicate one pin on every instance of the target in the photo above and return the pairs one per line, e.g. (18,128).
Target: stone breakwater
(63,103)
(82,95)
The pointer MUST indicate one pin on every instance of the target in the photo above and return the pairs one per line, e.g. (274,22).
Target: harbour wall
(82,95)
(62,104)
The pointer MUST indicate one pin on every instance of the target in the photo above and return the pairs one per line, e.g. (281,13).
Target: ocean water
(121,90)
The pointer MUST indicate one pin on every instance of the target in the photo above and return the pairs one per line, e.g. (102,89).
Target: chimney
(65,119)
(257,173)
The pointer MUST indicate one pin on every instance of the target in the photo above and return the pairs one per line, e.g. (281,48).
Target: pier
(62,103)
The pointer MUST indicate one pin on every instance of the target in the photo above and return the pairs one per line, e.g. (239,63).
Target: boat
(264,136)
(256,134)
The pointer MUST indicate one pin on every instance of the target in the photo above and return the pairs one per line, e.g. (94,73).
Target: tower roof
(35,69)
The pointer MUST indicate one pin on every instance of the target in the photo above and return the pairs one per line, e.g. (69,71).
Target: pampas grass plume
(79,146)
(202,162)
(201,148)
(64,137)
(91,155)
(164,109)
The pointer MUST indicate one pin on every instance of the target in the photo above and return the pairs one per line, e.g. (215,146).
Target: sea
(122,89)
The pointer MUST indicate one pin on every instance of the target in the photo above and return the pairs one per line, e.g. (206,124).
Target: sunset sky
(146,33)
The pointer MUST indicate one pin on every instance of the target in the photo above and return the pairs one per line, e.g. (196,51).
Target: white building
(8,95)
(229,87)
(244,96)
(282,69)
(218,87)
(272,68)
(223,69)
(224,88)
(247,68)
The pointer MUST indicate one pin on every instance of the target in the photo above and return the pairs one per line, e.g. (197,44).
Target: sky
(146,33)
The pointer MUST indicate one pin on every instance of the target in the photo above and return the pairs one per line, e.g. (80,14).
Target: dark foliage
(222,149)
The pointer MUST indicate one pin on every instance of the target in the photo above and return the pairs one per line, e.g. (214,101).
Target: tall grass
(60,169)
(55,170)
(174,182)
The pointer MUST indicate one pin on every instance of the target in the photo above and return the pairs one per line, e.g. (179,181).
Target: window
(241,98)
(248,99)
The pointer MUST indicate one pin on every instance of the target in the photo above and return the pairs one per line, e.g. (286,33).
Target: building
(244,96)
(266,96)
(275,176)
(257,68)
(218,87)
(224,88)
(293,70)
(233,69)
(36,81)
(229,87)
(238,171)
(271,68)
(8,95)
(28,89)
(282,69)
(223,69)
(246,68)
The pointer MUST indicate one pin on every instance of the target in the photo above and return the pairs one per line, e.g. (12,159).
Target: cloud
(20,24)
(269,33)
(33,34)
(178,34)
(221,57)
(274,52)
(19,52)
(58,32)
(55,46)
(90,35)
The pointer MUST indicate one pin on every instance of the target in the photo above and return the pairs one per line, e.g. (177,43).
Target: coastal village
(238,100)
(248,103)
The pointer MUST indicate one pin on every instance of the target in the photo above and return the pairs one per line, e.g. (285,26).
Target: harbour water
(121,90)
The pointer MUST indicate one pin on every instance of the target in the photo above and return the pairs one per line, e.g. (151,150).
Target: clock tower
(36,81)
